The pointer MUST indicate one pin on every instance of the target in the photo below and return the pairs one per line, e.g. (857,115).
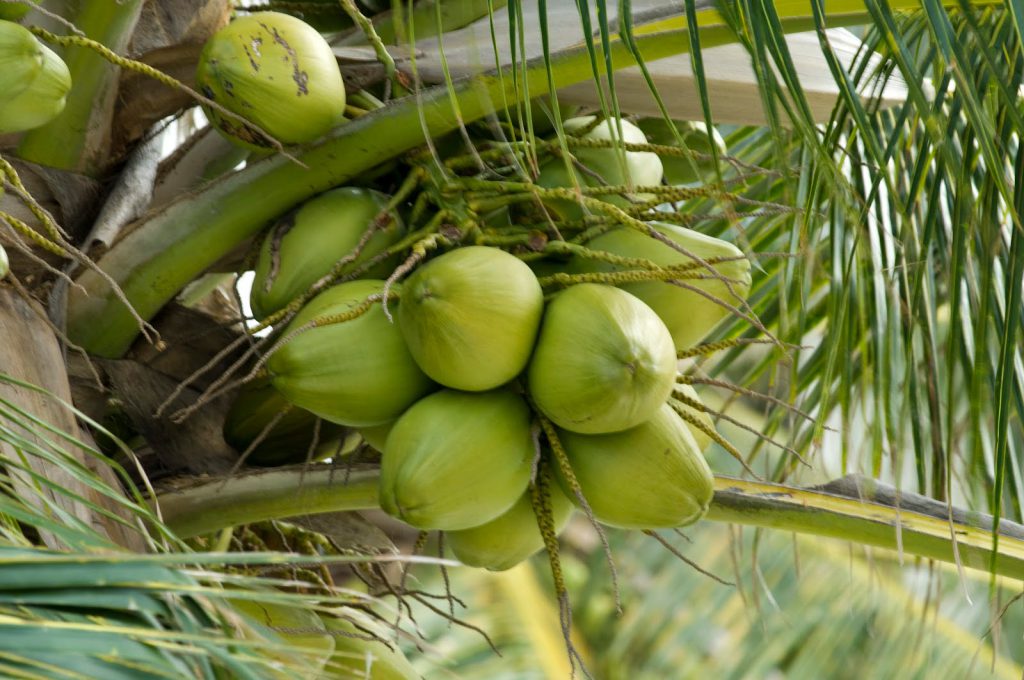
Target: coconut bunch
(507,372)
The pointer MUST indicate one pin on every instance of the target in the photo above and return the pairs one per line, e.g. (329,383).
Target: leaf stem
(288,492)
(276,493)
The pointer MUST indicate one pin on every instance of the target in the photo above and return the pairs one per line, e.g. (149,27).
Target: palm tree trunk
(31,353)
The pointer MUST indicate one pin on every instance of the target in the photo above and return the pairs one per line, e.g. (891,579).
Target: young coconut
(300,629)
(276,71)
(685,170)
(355,656)
(291,437)
(648,477)
(511,538)
(688,315)
(604,361)
(305,245)
(456,460)
(357,372)
(5,264)
(40,78)
(470,317)
(642,168)
(21,57)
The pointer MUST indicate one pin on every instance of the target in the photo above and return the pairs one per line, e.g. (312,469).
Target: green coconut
(277,72)
(290,438)
(5,264)
(356,373)
(470,317)
(688,314)
(648,477)
(694,134)
(21,57)
(456,460)
(356,656)
(511,538)
(641,168)
(44,97)
(299,628)
(702,438)
(304,246)
(604,361)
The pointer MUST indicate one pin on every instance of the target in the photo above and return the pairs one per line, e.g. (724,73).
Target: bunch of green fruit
(450,389)
(477,362)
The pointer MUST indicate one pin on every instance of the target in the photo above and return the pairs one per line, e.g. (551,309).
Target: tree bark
(30,352)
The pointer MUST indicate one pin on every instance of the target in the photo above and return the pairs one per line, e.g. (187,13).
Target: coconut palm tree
(868,390)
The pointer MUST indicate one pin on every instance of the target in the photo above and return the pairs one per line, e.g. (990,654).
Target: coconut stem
(277,494)
(540,499)
(617,278)
(266,495)
(565,467)
(383,56)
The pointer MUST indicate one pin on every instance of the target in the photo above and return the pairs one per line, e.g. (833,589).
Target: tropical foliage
(871,179)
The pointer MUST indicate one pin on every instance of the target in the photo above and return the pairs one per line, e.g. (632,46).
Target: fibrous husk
(650,476)
(604,361)
(470,317)
(695,138)
(456,460)
(611,166)
(305,245)
(21,57)
(42,99)
(357,372)
(688,314)
(277,72)
(512,537)
(288,440)
(376,435)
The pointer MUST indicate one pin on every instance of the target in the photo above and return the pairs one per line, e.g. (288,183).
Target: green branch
(264,495)
(822,513)
(283,493)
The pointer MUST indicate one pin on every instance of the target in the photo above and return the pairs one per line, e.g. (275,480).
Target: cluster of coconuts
(34,81)
(449,372)
(447,381)
(449,391)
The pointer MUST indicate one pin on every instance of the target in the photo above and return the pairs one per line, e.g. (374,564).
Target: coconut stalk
(858,515)
(265,495)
